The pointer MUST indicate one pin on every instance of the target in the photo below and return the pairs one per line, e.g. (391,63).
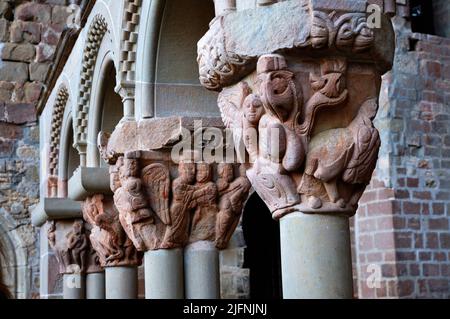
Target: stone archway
(262,255)
(15,266)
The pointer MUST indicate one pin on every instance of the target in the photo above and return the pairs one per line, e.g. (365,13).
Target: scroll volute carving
(70,243)
(293,167)
(107,236)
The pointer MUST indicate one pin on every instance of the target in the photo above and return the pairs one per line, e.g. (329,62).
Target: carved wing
(156,179)
(230,103)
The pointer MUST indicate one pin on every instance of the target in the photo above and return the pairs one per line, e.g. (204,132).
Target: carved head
(242,171)
(115,175)
(130,167)
(276,87)
(187,171)
(253,109)
(331,82)
(78,227)
(203,173)
(226,171)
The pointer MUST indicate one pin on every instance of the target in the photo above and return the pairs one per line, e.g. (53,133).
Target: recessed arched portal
(262,255)
(107,108)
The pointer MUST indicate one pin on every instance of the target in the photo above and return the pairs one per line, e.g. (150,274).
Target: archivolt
(55,136)
(95,36)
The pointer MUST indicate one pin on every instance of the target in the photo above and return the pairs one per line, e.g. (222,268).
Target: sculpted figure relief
(157,212)
(107,235)
(70,242)
(205,197)
(233,194)
(293,168)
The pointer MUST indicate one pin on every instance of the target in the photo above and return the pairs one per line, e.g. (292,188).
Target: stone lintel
(88,181)
(55,209)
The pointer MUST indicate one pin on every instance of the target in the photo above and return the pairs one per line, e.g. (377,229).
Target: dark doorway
(422,16)
(262,255)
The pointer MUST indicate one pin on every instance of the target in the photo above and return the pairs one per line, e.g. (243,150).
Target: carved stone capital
(69,240)
(308,133)
(165,205)
(107,236)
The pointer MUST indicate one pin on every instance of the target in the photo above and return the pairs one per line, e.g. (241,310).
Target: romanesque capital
(107,236)
(305,117)
(163,204)
(69,240)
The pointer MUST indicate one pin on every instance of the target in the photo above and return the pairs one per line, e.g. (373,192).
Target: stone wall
(29,32)
(402,226)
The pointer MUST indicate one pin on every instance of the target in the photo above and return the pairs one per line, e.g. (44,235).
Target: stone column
(116,252)
(202,274)
(164,274)
(69,240)
(74,286)
(322,270)
(95,286)
(121,282)
(305,122)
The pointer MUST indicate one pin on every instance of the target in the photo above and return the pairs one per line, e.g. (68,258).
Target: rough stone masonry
(29,33)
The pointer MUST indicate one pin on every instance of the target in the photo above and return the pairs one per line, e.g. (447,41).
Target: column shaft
(121,282)
(316,256)
(164,274)
(95,286)
(74,286)
(201,267)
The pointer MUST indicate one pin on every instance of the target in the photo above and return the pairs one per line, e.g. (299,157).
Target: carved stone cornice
(230,49)
(55,209)
(107,236)
(69,240)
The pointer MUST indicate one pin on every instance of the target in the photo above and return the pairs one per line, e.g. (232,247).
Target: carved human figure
(205,198)
(281,149)
(107,236)
(176,235)
(78,245)
(233,194)
(252,112)
(130,199)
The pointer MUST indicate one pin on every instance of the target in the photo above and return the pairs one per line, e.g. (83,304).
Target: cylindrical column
(121,282)
(95,286)
(74,286)
(128,108)
(164,274)
(316,257)
(201,271)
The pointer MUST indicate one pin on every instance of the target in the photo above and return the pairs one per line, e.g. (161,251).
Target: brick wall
(29,32)
(402,226)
